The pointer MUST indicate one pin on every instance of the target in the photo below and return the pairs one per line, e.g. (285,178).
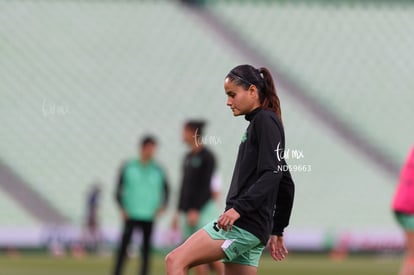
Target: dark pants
(129,227)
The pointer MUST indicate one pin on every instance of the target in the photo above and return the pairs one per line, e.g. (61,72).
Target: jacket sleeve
(284,204)
(166,194)
(270,144)
(119,187)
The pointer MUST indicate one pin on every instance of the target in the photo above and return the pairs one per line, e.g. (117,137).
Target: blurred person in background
(92,234)
(196,204)
(141,194)
(403,206)
(260,198)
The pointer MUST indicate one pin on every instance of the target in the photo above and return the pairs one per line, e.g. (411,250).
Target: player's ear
(253,91)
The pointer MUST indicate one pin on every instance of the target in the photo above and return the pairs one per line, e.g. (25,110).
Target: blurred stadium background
(81,81)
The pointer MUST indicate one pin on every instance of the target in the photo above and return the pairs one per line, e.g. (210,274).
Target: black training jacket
(262,189)
(198,168)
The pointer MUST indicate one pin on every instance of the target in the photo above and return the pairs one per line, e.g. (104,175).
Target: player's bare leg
(408,264)
(200,248)
(218,267)
(202,269)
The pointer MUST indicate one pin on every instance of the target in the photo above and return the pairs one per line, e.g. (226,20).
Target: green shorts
(208,212)
(240,246)
(405,220)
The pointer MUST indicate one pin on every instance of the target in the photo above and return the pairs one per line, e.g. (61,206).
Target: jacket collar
(252,114)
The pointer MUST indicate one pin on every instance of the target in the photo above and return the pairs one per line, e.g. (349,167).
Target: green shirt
(142,189)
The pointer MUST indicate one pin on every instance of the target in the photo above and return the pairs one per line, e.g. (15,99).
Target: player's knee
(167,259)
(172,261)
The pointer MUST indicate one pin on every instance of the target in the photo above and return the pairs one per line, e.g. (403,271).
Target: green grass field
(296,264)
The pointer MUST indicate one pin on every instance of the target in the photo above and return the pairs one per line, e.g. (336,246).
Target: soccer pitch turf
(295,264)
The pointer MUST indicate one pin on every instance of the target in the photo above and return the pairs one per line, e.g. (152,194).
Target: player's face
(148,151)
(240,100)
(188,135)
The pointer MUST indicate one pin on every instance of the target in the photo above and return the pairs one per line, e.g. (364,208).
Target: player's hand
(227,219)
(192,217)
(160,212)
(124,215)
(277,248)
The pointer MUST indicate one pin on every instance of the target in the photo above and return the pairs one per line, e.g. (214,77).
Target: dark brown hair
(247,75)
(196,126)
(148,139)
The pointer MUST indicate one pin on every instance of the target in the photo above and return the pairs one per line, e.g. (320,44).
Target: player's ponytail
(246,75)
(270,100)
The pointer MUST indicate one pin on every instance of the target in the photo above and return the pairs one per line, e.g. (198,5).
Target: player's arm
(283,210)
(166,194)
(165,188)
(284,204)
(118,192)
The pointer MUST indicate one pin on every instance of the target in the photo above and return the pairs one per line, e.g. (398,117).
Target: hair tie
(260,73)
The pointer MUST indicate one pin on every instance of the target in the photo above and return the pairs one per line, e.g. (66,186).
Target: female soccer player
(260,199)
(403,205)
